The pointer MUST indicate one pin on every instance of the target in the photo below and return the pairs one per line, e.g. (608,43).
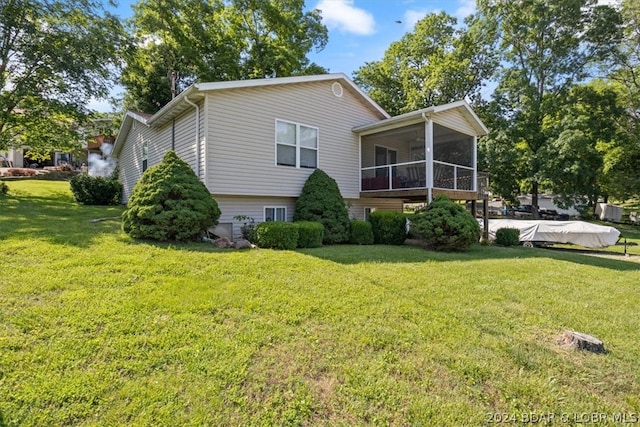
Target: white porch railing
(413,175)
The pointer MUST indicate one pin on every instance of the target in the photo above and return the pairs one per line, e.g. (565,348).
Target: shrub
(169,203)
(321,201)
(248,228)
(96,190)
(389,228)
(361,232)
(277,235)
(4,188)
(507,236)
(446,226)
(309,234)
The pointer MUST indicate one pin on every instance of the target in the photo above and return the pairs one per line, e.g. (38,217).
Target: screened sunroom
(421,154)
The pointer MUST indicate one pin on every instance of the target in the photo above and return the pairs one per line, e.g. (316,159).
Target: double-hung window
(296,145)
(275,213)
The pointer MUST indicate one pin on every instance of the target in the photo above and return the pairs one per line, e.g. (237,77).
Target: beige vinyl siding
(130,158)
(454,120)
(231,206)
(159,144)
(356,206)
(241,138)
(185,133)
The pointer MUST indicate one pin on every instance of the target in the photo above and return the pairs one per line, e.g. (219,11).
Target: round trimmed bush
(389,228)
(96,190)
(169,203)
(309,234)
(507,237)
(321,201)
(445,226)
(277,235)
(361,232)
(4,188)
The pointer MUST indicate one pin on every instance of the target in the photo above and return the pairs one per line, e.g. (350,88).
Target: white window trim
(370,211)
(275,208)
(395,150)
(297,146)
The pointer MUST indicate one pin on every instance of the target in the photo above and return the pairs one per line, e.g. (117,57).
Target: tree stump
(571,339)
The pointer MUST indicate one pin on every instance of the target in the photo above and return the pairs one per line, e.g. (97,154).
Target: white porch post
(428,151)
(475,164)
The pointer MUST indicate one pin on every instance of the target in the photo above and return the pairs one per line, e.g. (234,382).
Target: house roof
(462,107)
(196,91)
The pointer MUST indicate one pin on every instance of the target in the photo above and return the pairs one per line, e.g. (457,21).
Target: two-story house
(253,143)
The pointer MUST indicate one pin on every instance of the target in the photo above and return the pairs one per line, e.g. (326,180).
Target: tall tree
(55,55)
(435,64)
(547,46)
(183,41)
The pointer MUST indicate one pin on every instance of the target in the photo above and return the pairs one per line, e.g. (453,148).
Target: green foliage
(96,190)
(277,235)
(169,203)
(309,234)
(361,232)
(234,40)
(389,228)
(507,237)
(321,201)
(248,227)
(4,188)
(445,226)
(546,47)
(454,61)
(55,56)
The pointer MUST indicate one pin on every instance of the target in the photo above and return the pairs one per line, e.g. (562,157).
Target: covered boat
(574,232)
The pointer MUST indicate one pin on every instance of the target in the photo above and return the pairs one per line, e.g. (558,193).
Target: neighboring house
(253,143)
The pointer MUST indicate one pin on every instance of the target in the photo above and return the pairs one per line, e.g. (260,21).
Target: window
(275,213)
(296,145)
(367,213)
(145,155)
(384,156)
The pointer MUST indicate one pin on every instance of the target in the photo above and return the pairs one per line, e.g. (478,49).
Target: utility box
(606,212)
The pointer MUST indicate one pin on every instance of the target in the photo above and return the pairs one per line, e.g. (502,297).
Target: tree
(321,201)
(435,64)
(169,203)
(547,46)
(54,56)
(232,40)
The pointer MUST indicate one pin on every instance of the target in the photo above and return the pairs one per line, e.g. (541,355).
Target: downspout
(428,151)
(188,101)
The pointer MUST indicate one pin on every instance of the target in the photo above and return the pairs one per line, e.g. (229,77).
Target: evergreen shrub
(276,235)
(445,226)
(309,234)
(4,188)
(507,237)
(389,228)
(96,190)
(169,203)
(321,201)
(361,232)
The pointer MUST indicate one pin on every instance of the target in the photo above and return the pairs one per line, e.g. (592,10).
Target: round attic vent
(336,88)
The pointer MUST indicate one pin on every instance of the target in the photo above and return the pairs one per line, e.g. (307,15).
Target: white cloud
(466,8)
(411,17)
(344,16)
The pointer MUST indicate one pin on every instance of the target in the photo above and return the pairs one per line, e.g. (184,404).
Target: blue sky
(359,30)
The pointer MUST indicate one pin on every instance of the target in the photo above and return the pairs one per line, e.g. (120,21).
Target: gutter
(197,132)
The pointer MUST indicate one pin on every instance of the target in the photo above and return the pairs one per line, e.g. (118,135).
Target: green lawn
(97,329)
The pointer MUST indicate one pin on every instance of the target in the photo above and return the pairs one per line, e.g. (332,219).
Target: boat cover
(575,232)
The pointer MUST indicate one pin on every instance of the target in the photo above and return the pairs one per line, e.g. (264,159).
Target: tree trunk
(534,200)
(571,339)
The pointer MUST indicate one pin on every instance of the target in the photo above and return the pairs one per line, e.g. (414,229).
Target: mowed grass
(98,329)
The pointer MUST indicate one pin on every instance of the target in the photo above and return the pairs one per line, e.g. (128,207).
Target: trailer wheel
(528,244)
